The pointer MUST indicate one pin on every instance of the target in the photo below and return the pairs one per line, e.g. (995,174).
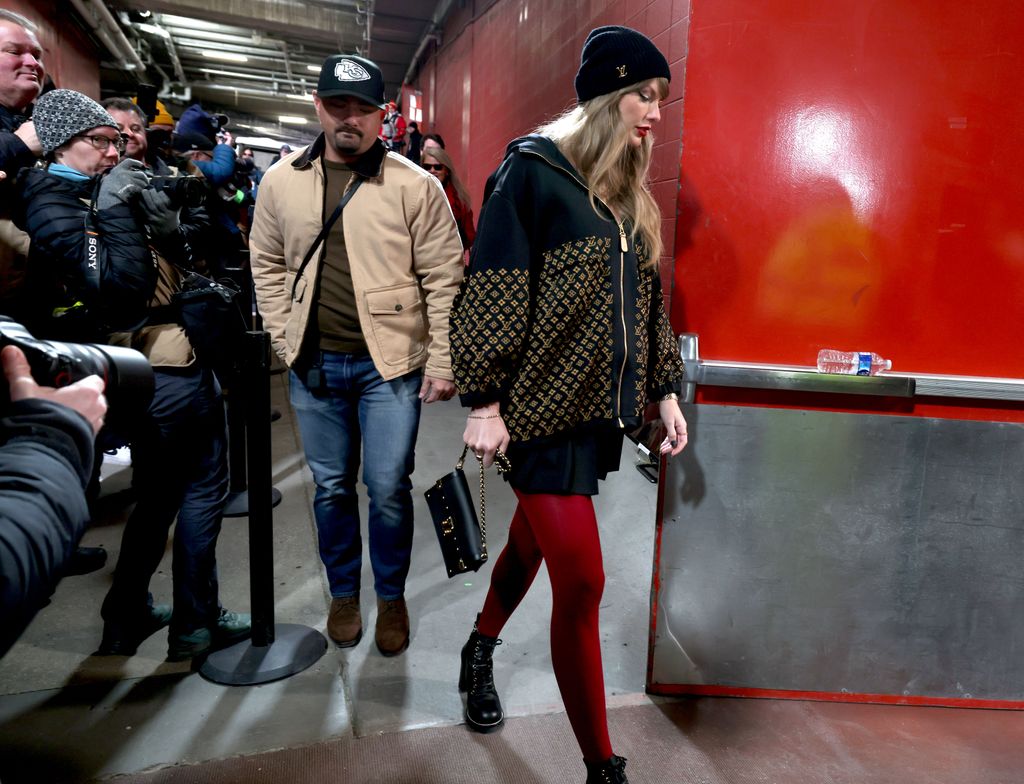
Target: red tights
(561,530)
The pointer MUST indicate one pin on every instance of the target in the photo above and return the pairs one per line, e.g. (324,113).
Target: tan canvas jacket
(403,247)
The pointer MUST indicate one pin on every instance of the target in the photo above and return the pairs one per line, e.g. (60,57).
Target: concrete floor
(66,715)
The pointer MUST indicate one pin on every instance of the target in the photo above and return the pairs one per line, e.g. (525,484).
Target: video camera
(126,372)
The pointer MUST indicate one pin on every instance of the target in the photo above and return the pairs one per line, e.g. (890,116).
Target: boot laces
(482,666)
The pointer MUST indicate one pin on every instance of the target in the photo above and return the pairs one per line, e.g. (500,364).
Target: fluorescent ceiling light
(154,29)
(230,56)
(314,68)
(290,119)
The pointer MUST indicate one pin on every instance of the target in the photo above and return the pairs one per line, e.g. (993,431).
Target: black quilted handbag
(462,535)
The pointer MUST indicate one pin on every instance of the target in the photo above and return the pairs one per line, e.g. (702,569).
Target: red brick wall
(505,67)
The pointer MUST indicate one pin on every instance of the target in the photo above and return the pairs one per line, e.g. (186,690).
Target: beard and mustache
(345,145)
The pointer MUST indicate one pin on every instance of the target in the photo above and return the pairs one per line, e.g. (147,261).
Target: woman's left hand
(675,427)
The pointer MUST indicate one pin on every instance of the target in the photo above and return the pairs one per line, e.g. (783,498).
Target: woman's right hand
(485,433)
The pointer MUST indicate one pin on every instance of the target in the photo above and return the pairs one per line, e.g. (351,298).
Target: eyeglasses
(434,166)
(102,143)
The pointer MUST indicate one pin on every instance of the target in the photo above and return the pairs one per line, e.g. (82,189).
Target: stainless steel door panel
(818,551)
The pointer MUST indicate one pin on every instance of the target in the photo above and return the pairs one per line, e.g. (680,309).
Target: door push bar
(802,378)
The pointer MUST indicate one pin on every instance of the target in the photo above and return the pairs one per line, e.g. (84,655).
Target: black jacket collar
(369,164)
(542,146)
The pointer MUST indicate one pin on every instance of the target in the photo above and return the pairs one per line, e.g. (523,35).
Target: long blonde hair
(442,157)
(594,138)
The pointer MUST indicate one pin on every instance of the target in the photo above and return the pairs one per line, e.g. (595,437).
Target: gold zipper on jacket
(623,248)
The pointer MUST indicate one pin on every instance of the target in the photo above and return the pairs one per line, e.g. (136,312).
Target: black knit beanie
(615,57)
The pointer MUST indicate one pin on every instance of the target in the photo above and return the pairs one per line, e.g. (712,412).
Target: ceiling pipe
(268,94)
(106,28)
(432,34)
(98,29)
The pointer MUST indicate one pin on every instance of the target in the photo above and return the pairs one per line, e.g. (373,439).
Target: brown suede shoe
(392,633)
(344,623)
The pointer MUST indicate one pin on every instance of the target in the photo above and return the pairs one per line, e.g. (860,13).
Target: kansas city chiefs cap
(349,74)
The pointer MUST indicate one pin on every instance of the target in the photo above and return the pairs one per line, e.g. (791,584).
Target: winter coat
(74,302)
(403,249)
(46,455)
(14,243)
(560,317)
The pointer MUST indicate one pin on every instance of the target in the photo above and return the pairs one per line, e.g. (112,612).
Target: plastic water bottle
(851,363)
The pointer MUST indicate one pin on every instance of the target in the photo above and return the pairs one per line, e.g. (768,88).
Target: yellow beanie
(163,117)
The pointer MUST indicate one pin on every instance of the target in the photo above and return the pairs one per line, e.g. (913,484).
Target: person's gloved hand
(159,214)
(122,183)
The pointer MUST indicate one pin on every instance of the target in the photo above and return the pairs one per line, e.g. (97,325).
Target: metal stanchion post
(238,497)
(276,650)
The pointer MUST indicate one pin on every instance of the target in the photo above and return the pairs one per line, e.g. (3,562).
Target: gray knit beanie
(60,114)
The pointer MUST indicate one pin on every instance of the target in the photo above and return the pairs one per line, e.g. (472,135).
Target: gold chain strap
(504,466)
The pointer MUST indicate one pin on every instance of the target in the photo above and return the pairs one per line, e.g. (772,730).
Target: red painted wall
(69,58)
(506,67)
(852,178)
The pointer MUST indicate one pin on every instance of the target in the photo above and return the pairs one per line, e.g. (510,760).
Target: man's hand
(436,389)
(85,396)
(161,216)
(27,133)
(122,183)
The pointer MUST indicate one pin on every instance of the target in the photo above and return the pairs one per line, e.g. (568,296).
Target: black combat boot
(611,771)
(476,677)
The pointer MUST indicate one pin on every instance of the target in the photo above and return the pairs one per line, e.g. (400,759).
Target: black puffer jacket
(559,318)
(14,155)
(46,455)
(91,272)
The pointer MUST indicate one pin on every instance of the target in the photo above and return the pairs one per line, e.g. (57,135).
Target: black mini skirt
(568,463)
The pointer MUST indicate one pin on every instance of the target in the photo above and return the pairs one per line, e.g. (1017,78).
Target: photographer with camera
(185,192)
(85,224)
(46,456)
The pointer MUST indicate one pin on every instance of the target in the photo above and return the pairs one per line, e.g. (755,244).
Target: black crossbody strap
(325,230)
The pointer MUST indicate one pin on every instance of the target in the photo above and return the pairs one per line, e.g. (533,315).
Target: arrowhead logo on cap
(348,71)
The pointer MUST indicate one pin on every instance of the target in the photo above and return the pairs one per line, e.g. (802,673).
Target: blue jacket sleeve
(46,454)
(221,168)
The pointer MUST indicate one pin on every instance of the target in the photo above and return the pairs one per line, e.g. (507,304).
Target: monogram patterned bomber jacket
(559,318)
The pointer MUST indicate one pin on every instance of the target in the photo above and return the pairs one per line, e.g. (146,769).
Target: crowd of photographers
(104,212)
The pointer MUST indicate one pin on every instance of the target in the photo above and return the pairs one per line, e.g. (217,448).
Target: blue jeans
(359,407)
(179,459)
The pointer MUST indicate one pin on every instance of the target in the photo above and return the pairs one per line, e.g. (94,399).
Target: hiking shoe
(392,632)
(229,628)
(344,622)
(122,638)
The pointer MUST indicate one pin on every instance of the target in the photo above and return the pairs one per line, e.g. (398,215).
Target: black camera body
(184,190)
(127,373)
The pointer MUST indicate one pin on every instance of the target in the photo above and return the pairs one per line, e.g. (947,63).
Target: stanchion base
(238,503)
(295,647)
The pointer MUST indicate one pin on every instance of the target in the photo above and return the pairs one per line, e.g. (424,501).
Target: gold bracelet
(489,416)
(669,396)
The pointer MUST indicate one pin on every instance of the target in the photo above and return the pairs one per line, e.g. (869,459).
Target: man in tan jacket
(358,309)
